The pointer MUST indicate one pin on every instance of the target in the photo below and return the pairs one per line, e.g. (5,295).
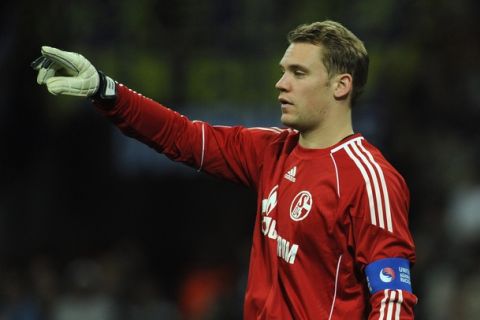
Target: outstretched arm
(233,153)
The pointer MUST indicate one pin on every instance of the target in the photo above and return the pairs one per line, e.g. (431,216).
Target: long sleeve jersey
(323,215)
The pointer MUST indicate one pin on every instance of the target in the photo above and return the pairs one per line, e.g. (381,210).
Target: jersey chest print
(283,207)
(285,249)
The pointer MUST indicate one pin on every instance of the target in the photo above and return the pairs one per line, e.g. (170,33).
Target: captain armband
(388,273)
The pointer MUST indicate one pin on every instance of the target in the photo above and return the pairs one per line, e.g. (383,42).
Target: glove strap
(107,89)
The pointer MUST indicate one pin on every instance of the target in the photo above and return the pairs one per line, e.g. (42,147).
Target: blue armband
(389,273)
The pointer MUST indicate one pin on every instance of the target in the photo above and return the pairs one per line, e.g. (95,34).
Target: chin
(293,123)
(288,121)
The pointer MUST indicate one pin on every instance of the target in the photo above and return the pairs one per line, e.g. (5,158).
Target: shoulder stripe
(375,184)
(373,174)
(343,145)
(384,187)
(368,185)
(272,129)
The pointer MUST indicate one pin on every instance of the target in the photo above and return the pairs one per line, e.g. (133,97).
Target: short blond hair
(343,51)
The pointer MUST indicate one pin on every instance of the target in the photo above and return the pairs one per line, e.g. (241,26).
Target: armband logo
(389,273)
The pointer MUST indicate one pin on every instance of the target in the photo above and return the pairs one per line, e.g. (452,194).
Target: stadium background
(95,226)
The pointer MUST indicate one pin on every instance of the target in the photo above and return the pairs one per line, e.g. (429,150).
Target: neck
(329,132)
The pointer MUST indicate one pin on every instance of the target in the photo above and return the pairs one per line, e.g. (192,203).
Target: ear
(343,86)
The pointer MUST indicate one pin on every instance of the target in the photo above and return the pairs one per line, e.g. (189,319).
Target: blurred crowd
(95,226)
(118,284)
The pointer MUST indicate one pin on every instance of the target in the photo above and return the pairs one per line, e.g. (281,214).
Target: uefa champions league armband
(388,273)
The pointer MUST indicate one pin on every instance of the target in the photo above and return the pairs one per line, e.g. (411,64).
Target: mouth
(284,102)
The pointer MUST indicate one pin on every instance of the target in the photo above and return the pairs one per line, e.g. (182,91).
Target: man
(331,237)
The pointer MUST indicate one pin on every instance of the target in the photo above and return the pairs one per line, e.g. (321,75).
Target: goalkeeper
(331,237)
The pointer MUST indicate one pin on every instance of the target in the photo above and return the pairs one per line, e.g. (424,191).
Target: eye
(299,73)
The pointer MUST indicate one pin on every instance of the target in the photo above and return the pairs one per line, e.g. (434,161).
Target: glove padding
(66,73)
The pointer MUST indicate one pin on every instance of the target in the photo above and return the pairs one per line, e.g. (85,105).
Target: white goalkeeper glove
(69,73)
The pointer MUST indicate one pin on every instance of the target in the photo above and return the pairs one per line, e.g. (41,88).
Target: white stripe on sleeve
(391,301)
(382,304)
(272,129)
(399,304)
(368,184)
(203,148)
(384,187)
(378,195)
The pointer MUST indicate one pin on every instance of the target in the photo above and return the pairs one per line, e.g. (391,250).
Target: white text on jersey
(285,249)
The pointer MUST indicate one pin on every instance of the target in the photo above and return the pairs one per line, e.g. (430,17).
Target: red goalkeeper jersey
(324,216)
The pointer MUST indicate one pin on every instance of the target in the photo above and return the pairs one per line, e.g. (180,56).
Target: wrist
(107,89)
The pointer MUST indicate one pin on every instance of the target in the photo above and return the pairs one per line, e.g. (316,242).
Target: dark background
(94,225)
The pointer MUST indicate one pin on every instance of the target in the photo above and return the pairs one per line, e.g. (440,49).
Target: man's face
(305,91)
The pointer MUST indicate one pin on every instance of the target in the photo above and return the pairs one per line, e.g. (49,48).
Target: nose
(283,83)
